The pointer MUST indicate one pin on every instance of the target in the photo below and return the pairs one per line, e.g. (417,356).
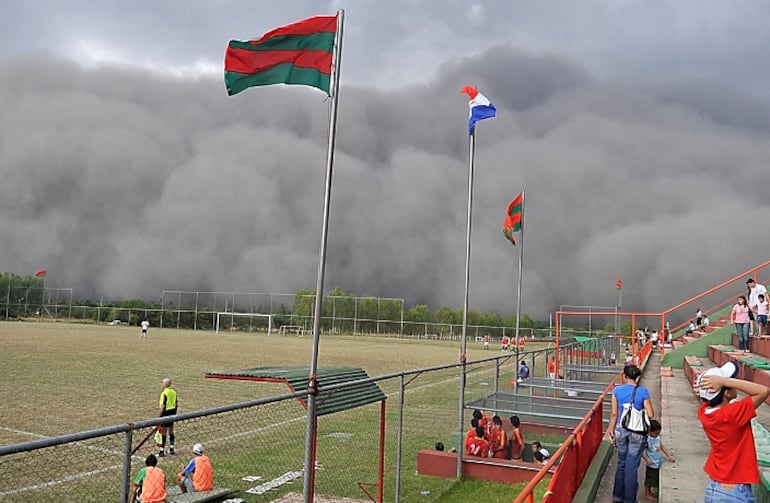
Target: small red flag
(618,284)
(513,216)
(41,272)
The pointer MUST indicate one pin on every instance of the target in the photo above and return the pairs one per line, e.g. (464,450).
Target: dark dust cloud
(124,183)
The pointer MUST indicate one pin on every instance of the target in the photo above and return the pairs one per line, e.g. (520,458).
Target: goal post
(292,329)
(229,320)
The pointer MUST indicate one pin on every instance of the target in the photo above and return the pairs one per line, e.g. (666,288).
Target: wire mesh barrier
(573,457)
(242,441)
(258,448)
(88,470)
(342,315)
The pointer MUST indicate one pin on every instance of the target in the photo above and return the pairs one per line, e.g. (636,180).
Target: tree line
(23,296)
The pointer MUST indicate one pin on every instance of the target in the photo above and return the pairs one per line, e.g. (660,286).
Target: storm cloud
(123,182)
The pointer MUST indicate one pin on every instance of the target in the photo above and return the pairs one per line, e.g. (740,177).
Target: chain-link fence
(248,440)
(258,447)
(342,315)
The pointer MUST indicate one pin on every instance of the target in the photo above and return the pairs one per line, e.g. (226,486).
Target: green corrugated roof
(328,402)
(589,343)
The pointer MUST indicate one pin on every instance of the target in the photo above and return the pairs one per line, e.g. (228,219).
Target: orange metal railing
(731,287)
(580,447)
(635,349)
(576,453)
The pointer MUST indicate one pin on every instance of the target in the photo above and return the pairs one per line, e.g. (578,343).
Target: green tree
(367,313)
(625,327)
(343,309)
(418,313)
(304,306)
(390,314)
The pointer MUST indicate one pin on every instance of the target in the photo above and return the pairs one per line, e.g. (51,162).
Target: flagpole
(312,385)
(518,288)
(463,343)
(42,306)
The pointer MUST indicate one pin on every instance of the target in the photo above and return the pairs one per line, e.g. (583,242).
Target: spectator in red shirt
(517,439)
(498,444)
(472,432)
(552,368)
(477,446)
(484,423)
(732,463)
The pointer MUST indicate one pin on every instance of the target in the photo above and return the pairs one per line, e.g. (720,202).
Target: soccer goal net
(245,322)
(292,329)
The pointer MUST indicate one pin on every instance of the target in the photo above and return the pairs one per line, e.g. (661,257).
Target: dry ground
(60,378)
(297,498)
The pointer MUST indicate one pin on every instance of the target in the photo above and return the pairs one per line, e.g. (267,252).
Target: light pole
(619,287)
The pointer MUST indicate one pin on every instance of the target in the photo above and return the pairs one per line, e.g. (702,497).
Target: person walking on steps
(168,405)
(629,445)
(739,317)
(753,291)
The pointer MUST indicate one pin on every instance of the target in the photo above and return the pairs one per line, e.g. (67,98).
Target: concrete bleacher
(698,344)
(444,464)
(676,404)
(671,379)
(216,494)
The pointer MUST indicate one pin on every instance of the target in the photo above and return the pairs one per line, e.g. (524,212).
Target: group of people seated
(488,438)
(149,485)
(654,337)
(700,322)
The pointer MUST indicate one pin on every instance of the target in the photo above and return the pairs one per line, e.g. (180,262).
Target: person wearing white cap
(732,463)
(198,475)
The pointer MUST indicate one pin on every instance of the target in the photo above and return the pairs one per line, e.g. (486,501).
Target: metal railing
(574,457)
(249,439)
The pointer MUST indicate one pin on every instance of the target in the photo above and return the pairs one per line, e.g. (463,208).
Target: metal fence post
(399,437)
(126,480)
(497,374)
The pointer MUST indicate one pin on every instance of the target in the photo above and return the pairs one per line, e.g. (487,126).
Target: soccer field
(59,378)
(62,378)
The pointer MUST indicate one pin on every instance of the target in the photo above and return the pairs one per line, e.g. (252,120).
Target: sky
(639,130)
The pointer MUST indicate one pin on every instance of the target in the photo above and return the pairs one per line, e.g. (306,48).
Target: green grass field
(62,378)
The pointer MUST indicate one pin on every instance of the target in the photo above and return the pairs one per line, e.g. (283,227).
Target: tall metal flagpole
(312,385)
(463,359)
(521,267)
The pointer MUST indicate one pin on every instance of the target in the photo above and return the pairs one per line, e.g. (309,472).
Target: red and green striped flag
(512,222)
(299,53)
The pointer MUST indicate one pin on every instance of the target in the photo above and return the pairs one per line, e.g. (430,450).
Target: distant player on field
(145,326)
